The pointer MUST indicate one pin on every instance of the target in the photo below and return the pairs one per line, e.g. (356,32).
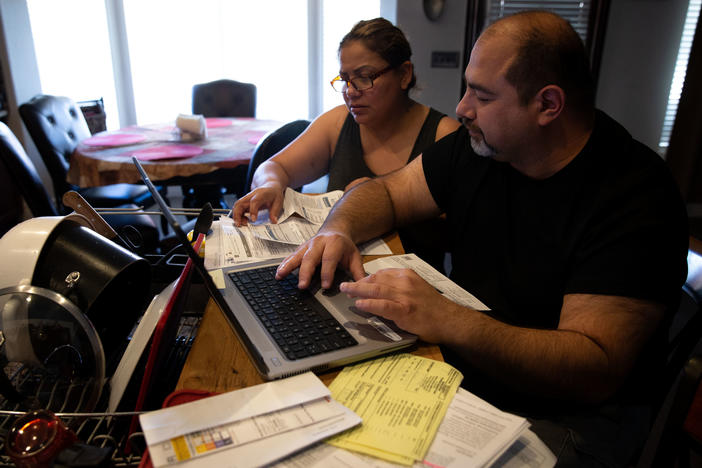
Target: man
(572,232)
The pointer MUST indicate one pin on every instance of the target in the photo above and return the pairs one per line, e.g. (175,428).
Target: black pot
(108,283)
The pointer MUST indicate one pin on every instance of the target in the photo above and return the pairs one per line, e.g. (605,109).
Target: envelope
(168,423)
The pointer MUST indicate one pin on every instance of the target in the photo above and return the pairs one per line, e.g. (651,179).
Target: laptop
(284,330)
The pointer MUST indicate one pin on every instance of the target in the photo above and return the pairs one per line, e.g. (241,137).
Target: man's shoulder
(612,135)
(614,152)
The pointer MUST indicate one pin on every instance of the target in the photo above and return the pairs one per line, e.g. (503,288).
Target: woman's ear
(407,69)
(550,102)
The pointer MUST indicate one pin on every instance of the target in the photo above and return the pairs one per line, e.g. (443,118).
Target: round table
(229,144)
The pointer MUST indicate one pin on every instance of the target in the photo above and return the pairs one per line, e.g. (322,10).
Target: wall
(437,87)
(641,46)
(21,75)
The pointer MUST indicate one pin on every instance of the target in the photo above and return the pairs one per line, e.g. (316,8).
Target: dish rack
(65,399)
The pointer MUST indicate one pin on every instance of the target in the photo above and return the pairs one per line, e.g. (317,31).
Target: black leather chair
(10,202)
(56,125)
(224,98)
(271,143)
(21,169)
(15,162)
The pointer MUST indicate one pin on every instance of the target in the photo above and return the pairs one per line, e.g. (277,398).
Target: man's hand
(268,196)
(328,248)
(404,297)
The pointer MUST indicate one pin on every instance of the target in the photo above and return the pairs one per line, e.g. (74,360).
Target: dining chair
(224,98)
(271,143)
(94,112)
(221,98)
(56,126)
(15,162)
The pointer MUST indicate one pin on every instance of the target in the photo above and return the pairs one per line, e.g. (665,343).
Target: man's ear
(550,101)
(407,70)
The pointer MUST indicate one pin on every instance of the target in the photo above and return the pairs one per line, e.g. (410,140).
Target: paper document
(254,426)
(401,398)
(228,245)
(445,286)
(529,451)
(375,247)
(473,433)
(313,208)
(294,231)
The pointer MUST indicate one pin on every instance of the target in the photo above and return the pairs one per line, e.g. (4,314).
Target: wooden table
(218,363)
(230,144)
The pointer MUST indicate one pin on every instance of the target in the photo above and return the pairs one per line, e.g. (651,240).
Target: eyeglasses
(360,83)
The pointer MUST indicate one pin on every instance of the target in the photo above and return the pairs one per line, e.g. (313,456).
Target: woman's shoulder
(333,119)
(446,125)
(327,127)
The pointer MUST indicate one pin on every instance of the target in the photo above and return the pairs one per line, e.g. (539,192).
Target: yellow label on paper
(181,448)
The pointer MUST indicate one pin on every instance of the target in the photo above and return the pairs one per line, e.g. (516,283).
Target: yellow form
(401,399)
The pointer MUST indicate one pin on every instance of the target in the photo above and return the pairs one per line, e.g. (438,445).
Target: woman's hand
(268,196)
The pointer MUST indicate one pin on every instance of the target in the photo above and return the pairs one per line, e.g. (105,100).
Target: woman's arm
(305,159)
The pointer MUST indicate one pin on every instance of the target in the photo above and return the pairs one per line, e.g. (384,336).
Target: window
(262,42)
(336,23)
(73,53)
(174,44)
(688,35)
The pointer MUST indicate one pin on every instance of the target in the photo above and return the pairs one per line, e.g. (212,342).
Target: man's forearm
(549,363)
(365,212)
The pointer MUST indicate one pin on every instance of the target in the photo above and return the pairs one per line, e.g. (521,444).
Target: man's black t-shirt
(611,222)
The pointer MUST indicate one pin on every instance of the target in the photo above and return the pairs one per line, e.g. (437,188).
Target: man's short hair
(549,52)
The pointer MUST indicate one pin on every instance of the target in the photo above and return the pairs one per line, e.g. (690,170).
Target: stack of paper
(472,434)
(445,286)
(401,398)
(229,245)
(254,426)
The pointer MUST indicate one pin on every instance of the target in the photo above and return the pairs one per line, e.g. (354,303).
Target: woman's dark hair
(385,39)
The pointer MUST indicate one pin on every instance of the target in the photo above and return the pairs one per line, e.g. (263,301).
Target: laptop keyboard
(298,323)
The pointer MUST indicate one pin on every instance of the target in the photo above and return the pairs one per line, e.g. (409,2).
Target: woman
(378,130)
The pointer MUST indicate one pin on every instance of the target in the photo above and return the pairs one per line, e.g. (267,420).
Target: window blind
(676,86)
(575,12)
